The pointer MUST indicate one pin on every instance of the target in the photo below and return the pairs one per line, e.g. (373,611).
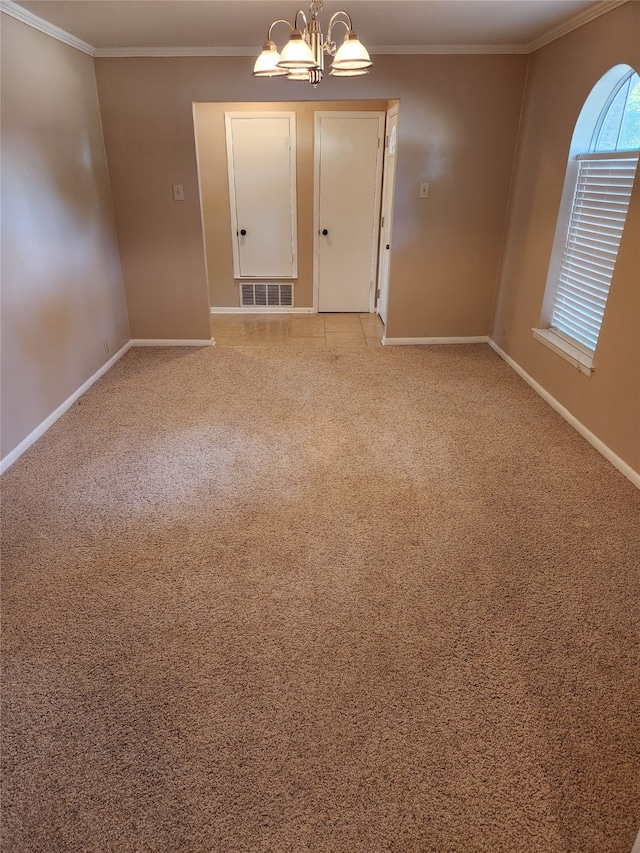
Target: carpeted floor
(339,601)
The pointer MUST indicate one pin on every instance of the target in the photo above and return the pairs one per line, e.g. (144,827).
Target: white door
(348,180)
(261,157)
(386,221)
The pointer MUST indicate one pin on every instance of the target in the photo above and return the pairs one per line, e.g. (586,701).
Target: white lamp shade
(267,63)
(352,55)
(348,72)
(296,54)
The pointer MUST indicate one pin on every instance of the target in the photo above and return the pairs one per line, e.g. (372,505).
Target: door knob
(243,232)
(324,232)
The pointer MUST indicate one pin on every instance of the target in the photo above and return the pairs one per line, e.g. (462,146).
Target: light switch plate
(178,192)
(424,189)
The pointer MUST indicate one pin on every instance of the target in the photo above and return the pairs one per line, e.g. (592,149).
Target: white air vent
(263,295)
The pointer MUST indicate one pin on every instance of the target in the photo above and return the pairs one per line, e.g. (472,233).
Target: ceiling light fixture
(302,57)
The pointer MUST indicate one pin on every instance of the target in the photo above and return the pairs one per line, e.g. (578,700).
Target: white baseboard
(599,445)
(172,342)
(40,430)
(263,310)
(420,342)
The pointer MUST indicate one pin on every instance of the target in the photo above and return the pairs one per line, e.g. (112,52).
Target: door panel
(348,207)
(262,189)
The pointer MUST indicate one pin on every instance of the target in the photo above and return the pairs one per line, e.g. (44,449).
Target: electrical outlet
(424,189)
(106,346)
(178,192)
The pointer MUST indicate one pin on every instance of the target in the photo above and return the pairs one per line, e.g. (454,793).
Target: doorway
(231,268)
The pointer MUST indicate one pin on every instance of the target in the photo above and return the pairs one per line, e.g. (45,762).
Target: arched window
(600,173)
(618,127)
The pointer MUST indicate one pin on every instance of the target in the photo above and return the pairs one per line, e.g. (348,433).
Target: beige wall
(458,127)
(214,183)
(62,293)
(561,76)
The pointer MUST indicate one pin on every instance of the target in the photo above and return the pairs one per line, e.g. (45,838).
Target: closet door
(348,181)
(261,158)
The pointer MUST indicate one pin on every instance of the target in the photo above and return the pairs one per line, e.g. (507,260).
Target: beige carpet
(339,601)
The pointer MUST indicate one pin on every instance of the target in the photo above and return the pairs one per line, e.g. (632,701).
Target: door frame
(229,117)
(353,114)
(386,214)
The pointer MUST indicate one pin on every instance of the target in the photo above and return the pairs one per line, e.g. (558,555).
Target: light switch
(178,192)
(424,189)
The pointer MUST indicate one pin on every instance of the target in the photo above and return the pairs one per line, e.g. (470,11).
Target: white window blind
(596,223)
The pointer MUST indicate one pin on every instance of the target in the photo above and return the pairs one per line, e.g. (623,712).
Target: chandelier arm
(279,21)
(336,19)
(329,45)
(304,18)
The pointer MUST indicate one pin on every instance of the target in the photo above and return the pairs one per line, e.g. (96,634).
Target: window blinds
(596,223)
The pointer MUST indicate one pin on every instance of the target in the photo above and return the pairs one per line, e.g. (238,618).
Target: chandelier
(302,57)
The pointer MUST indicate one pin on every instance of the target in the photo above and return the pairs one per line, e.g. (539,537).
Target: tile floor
(300,330)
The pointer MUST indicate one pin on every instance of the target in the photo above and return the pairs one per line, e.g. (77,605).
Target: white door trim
(380,115)
(386,212)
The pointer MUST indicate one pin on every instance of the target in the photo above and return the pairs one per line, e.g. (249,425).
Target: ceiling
(240,26)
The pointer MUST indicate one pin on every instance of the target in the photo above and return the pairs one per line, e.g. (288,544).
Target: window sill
(561,347)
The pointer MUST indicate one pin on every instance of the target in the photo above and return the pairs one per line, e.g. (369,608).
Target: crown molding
(14,11)
(434,49)
(174,51)
(574,23)
(389,50)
